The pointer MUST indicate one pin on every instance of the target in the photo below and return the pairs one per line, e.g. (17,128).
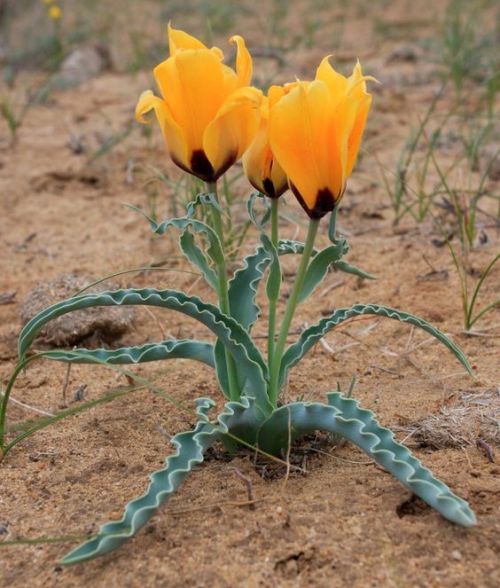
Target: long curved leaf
(172,349)
(344,417)
(243,288)
(242,293)
(349,268)
(314,333)
(245,281)
(214,249)
(228,331)
(319,266)
(196,256)
(190,447)
(240,419)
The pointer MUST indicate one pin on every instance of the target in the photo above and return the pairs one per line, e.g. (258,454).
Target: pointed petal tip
(144,105)
(235,39)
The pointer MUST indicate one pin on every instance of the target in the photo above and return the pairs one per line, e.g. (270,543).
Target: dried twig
(248,483)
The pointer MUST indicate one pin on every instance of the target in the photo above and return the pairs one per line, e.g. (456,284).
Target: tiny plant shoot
(303,136)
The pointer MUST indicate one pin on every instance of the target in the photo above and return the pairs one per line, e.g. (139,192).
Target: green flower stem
(290,310)
(272,303)
(223,292)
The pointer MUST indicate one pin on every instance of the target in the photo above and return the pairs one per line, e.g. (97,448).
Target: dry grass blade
(473,416)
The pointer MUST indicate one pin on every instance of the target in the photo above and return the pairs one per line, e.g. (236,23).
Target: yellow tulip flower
(261,168)
(207,113)
(315,132)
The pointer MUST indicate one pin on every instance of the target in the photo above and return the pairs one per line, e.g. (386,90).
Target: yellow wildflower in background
(315,132)
(208,114)
(54,12)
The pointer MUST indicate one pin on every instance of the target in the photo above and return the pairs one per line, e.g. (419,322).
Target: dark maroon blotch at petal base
(201,167)
(269,190)
(325,202)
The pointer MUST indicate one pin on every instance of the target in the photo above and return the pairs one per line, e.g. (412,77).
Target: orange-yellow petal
(172,133)
(360,102)
(146,103)
(178,39)
(260,166)
(228,136)
(356,133)
(337,83)
(192,86)
(303,140)
(244,66)
(274,94)
(258,158)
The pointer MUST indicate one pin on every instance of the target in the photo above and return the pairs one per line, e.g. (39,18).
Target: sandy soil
(345,521)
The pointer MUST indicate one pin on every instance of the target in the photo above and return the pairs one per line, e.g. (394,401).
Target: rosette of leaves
(252,414)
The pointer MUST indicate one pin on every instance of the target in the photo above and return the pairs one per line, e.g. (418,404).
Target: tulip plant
(304,136)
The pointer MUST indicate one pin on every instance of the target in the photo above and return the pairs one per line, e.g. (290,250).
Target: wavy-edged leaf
(343,416)
(190,447)
(261,222)
(171,349)
(203,198)
(245,281)
(243,288)
(286,246)
(197,258)
(314,333)
(229,332)
(240,419)
(214,249)
(242,292)
(319,266)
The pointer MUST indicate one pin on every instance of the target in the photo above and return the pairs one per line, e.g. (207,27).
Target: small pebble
(455,554)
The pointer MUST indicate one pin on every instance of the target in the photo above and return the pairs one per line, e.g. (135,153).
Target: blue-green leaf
(310,336)
(239,419)
(197,258)
(189,449)
(348,268)
(214,249)
(231,334)
(343,416)
(203,198)
(245,282)
(274,279)
(261,222)
(319,266)
(172,349)
(286,246)
(243,288)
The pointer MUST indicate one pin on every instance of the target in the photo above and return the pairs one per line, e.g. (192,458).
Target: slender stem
(223,293)
(272,303)
(5,399)
(290,309)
